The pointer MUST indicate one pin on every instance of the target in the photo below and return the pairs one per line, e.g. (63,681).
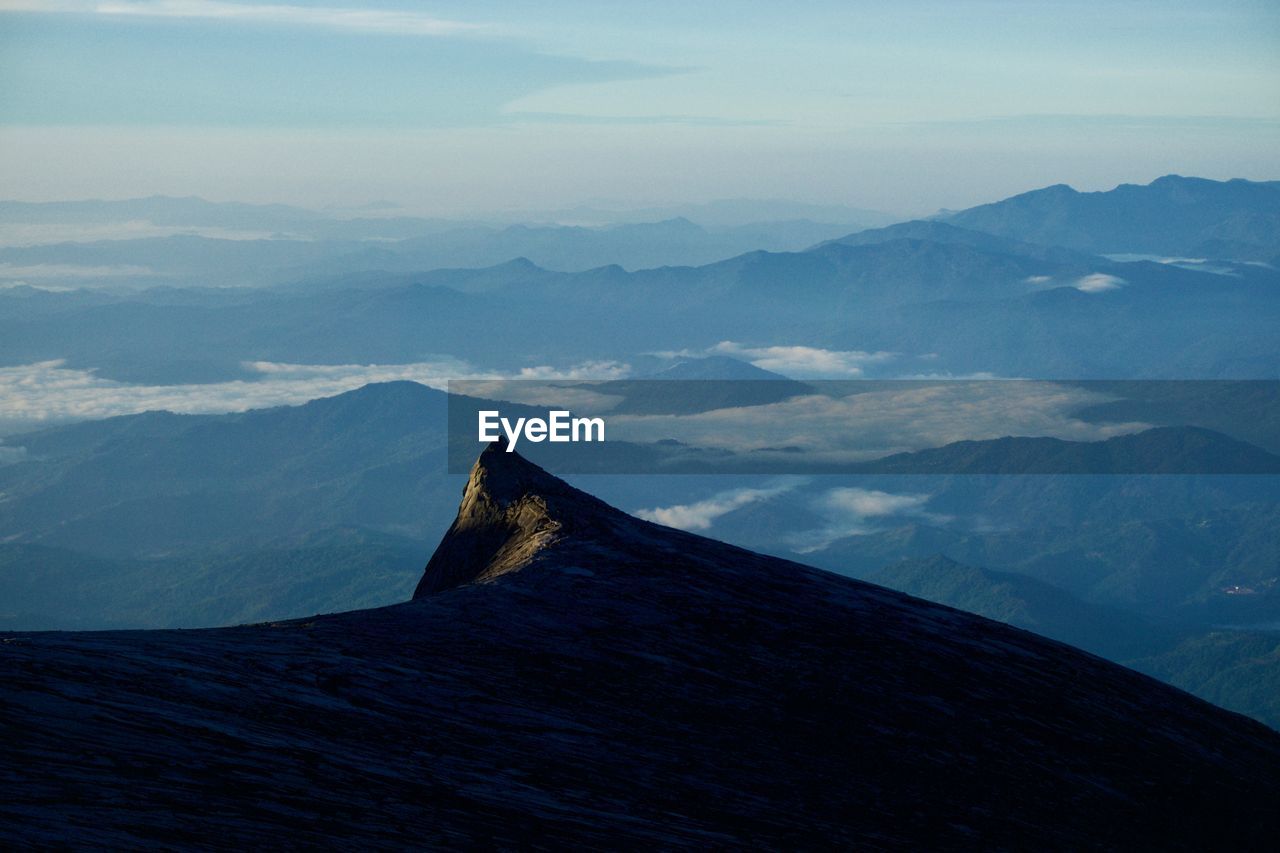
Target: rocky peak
(511,511)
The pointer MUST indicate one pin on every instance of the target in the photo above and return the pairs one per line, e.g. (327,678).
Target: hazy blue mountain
(670,242)
(941,307)
(46,588)
(310,248)
(720,213)
(643,686)
(154,484)
(1028,603)
(1239,670)
(1160,450)
(1246,410)
(704,384)
(936,231)
(1214,566)
(1173,215)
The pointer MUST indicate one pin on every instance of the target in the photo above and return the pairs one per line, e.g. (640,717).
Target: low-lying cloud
(857,512)
(795,361)
(50,392)
(1099,282)
(700,515)
(865,420)
(586,370)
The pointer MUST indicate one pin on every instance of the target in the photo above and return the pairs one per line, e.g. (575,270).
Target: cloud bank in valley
(700,515)
(50,392)
(794,361)
(850,511)
(866,420)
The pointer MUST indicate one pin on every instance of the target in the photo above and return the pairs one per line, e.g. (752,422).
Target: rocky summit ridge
(567,675)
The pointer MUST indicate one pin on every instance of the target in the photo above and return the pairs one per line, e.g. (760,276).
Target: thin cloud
(50,392)
(17,271)
(855,512)
(329,17)
(803,362)
(702,514)
(1099,282)
(585,370)
(12,455)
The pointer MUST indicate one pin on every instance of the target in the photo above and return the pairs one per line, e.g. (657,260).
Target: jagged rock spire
(511,510)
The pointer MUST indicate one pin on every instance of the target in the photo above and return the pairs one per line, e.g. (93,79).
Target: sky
(454,108)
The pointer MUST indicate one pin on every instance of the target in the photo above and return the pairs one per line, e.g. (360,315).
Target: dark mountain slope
(569,674)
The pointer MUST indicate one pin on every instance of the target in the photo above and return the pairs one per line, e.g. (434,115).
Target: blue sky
(465,107)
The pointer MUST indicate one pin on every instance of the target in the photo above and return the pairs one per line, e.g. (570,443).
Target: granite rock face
(568,674)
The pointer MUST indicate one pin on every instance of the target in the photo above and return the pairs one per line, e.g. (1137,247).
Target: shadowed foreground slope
(567,673)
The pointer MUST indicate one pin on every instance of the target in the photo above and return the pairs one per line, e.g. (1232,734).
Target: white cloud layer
(701,514)
(866,420)
(49,392)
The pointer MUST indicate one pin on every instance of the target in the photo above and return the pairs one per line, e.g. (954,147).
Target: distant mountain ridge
(936,231)
(1159,450)
(1171,216)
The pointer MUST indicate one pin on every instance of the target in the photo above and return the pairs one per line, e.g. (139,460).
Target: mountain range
(931,307)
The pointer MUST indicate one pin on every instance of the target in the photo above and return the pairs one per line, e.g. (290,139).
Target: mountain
(1027,603)
(931,307)
(45,588)
(193,242)
(1173,215)
(702,385)
(1215,565)
(1159,450)
(149,485)
(570,674)
(720,213)
(1236,669)
(935,231)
